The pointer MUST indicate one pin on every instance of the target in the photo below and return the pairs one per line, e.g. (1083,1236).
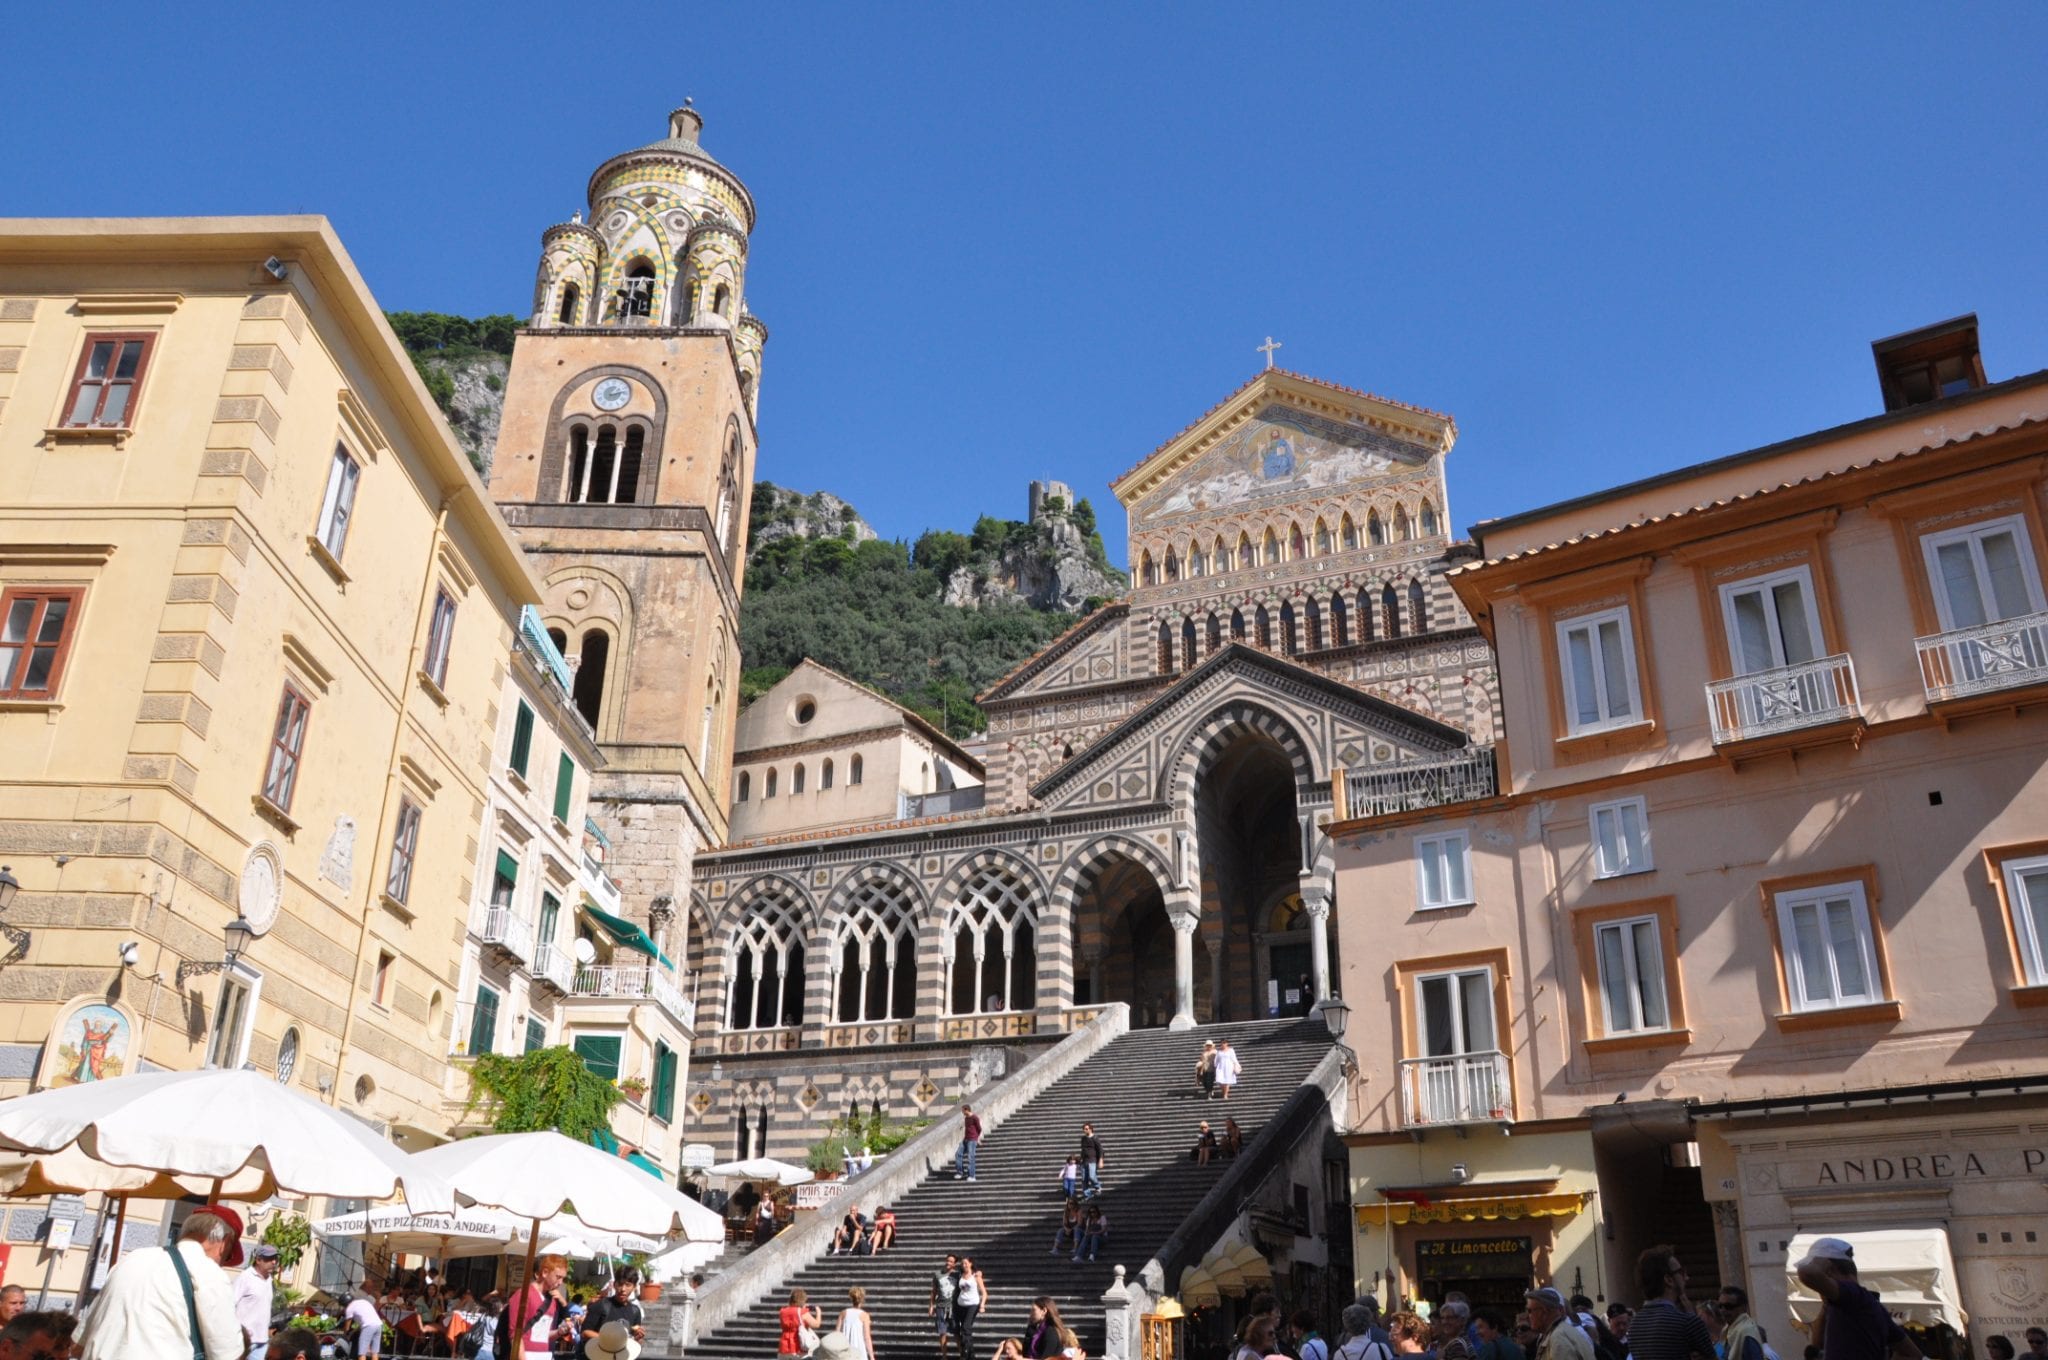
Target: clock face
(612,393)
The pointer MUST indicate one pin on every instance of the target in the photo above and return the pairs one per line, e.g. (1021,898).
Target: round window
(287,1056)
(806,709)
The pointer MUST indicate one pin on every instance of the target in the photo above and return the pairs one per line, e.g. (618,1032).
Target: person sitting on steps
(1094,1228)
(1233,1138)
(883,1235)
(1068,1236)
(851,1233)
(1205,1144)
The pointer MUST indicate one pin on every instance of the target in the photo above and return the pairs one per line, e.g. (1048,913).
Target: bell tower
(625,464)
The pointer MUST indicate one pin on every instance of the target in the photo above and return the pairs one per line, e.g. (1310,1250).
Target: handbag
(807,1337)
(191,1304)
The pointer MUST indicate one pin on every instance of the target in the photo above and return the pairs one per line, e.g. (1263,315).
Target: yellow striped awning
(1562,1205)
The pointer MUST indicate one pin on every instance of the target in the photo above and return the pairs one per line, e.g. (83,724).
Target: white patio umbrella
(764,1169)
(211,1126)
(478,1232)
(537,1176)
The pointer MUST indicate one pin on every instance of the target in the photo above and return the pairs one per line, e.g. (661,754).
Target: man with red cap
(173,1301)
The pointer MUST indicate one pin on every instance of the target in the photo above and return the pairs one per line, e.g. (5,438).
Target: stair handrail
(766,1268)
(1249,1171)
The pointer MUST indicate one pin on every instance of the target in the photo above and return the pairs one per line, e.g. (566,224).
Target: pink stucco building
(1741,933)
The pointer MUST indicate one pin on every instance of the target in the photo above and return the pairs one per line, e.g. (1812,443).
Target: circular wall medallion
(612,393)
(287,1056)
(261,889)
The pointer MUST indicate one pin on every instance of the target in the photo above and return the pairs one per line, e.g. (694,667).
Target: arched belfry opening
(1249,836)
(1123,941)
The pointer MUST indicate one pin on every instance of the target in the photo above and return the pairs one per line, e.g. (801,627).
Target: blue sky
(999,242)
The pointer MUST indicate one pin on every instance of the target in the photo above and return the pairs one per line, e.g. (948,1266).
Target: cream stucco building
(265,611)
(1748,940)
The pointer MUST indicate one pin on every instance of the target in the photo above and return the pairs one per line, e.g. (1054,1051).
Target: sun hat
(614,1341)
(833,1346)
(1829,1249)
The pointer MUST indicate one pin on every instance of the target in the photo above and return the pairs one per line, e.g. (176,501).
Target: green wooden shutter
(536,1035)
(664,1103)
(522,739)
(483,1024)
(549,910)
(600,1053)
(565,786)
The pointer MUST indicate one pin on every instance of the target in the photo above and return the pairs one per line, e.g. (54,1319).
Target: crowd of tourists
(959,1295)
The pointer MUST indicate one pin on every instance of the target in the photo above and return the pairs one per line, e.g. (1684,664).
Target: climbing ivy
(549,1088)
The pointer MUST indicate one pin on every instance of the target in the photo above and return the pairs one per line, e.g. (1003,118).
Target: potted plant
(633,1088)
(649,1289)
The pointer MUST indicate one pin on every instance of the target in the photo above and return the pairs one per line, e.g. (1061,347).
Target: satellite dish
(585,951)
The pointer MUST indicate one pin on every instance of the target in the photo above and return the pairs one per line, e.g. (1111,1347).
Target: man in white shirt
(253,1294)
(142,1309)
(362,1310)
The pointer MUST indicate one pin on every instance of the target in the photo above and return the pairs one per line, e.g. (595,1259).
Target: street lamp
(16,937)
(9,886)
(1337,1016)
(237,937)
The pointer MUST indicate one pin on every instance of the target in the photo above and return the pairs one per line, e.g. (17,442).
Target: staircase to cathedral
(1140,1094)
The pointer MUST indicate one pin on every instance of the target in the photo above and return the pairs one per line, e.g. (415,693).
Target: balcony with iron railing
(503,929)
(1464,1088)
(1379,790)
(1793,699)
(553,965)
(1965,662)
(633,982)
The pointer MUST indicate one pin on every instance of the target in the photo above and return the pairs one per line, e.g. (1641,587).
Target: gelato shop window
(1490,1271)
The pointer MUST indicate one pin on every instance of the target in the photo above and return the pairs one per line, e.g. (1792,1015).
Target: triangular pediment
(1331,725)
(1280,437)
(1092,652)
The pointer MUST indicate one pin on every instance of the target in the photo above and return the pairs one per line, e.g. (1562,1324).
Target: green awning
(625,933)
(604,1140)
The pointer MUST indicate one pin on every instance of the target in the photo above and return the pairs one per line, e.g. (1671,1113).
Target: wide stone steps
(1141,1096)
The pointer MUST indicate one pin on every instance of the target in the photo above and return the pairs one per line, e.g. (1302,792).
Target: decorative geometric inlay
(1105,790)
(1349,755)
(931,864)
(1133,784)
(820,877)
(925,1093)
(701,1101)
(809,1097)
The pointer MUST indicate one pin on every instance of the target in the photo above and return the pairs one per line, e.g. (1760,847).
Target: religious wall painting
(1282,454)
(90,1042)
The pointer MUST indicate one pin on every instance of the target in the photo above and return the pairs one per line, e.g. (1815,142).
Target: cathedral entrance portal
(1250,840)
(1123,943)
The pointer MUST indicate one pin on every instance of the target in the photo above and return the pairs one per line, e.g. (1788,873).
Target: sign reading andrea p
(1957,1165)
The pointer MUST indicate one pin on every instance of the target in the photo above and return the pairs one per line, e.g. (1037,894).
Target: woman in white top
(860,1334)
(1228,1068)
(968,1302)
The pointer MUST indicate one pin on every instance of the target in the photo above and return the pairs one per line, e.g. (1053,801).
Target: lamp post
(236,937)
(1337,1015)
(16,937)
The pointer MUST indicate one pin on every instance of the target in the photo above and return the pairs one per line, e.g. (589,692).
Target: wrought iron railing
(1381,789)
(1991,656)
(553,965)
(634,982)
(1465,1088)
(504,929)
(1783,699)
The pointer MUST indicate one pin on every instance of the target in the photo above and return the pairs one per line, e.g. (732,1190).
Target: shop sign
(1930,1166)
(1474,1257)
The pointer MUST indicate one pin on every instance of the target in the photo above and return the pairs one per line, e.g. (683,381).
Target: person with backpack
(1363,1339)
(173,1300)
(945,1288)
(1308,1342)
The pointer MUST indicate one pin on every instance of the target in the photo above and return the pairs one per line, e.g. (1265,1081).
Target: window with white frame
(1454,1013)
(2026,892)
(1632,994)
(1443,869)
(1597,652)
(338,505)
(1982,573)
(234,1015)
(1621,837)
(1771,621)
(1830,953)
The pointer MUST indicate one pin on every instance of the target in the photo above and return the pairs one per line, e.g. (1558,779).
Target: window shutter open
(483,1025)
(565,786)
(600,1053)
(522,739)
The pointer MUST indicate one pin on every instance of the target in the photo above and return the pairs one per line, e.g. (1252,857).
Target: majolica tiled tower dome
(625,463)
(665,244)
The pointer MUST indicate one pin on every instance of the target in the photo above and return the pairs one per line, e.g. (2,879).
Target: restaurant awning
(625,933)
(1909,1268)
(604,1140)
(1467,1210)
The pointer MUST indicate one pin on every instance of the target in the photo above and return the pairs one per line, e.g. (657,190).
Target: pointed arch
(1247,556)
(1148,571)
(1297,543)
(1390,608)
(1215,632)
(1312,624)
(1262,625)
(1165,648)
(873,957)
(1431,526)
(1404,528)
(1290,634)
(1270,548)
(1349,532)
(768,783)
(571,310)
(1325,544)
(1208,736)
(1375,530)
(1366,630)
(1220,556)
(1418,605)
(636,290)
(1237,629)
(1187,643)
(1172,566)
(990,945)
(1340,623)
(765,953)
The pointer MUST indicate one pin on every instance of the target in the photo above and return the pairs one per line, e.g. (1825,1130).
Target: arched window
(1271,553)
(560,639)
(1245,554)
(589,689)
(626,483)
(825,775)
(579,463)
(1340,624)
(1172,566)
(1418,607)
(1290,639)
(1430,526)
(746,786)
(572,303)
(1187,643)
(1262,625)
(1312,617)
(636,294)
(1221,556)
(686,301)
(1403,529)
(1215,634)
(1324,543)
(1349,531)
(796,779)
(1165,648)
(768,783)
(747,388)
(1375,532)
(1391,608)
(853,769)
(767,959)
(728,491)
(1297,546)
(1148,571)
(1237,630)
(874,956)
(1366,630)
(1195,563)
(721,301)
(704,735)
(592,475)
(991,945)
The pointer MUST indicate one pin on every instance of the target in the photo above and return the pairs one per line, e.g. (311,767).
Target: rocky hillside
(471,391)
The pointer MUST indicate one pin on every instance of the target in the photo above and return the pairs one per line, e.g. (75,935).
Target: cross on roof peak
(1268,348)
